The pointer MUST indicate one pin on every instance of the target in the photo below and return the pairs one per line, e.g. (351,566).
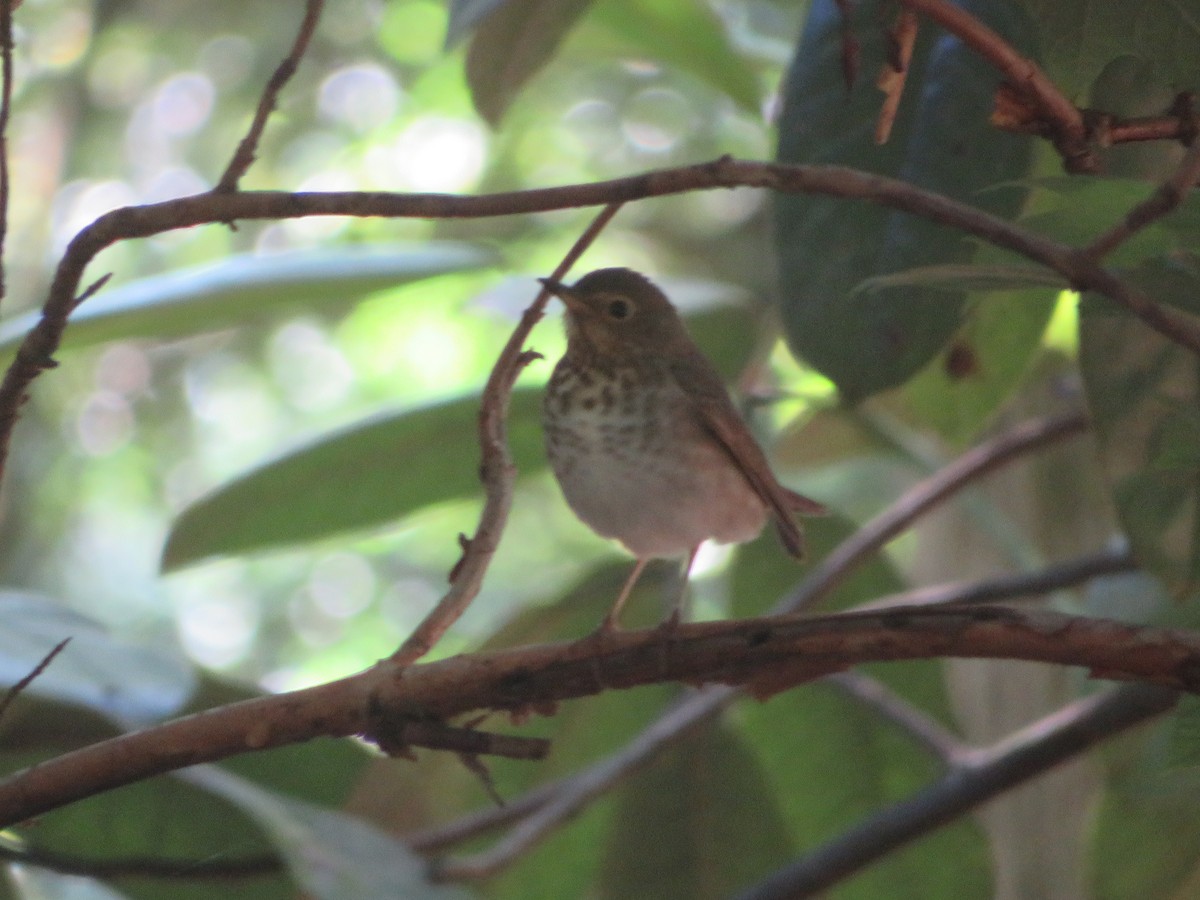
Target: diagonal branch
(1170,194)
(1020,757)
(497,469)
(244,156)
(826,576)
(1022,586)
(1060,117)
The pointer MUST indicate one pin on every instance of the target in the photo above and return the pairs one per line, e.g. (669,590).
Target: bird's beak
(561,291)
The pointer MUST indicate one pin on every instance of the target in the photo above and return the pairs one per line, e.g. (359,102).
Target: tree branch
(763,655)
(36,351)
(711,700)
(1022,756)
(244,156)
(1170,194)
(1059,118)
(1024,585)
(830,572)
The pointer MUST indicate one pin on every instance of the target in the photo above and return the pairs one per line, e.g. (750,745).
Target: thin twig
(668,729)
(1023,586)
(244,156)
(15,691)
(151,219)
(497,470)
(931,735)
(1060,736)
(6,86)
(1062,119)
(1015,442)
(1170,194)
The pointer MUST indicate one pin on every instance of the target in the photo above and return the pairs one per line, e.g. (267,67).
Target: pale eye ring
(619,308)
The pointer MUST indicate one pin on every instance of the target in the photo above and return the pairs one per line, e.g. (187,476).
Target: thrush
(643,437)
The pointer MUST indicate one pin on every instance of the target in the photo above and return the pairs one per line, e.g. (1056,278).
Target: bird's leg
(672,621)
(611,622)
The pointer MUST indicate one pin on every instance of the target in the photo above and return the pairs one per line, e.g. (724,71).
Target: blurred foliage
(281,415)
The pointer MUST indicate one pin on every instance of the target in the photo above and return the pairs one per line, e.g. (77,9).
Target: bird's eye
(619,308)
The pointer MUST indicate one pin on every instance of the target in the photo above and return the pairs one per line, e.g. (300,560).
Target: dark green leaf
(956,278)
(941,141)
(249,289)
(689,37)
(1144,395)
(128,682)
(965,384)
(370,474)
(332,855)
(1079,37)
(832,762)
(1146,837)
(700,823)
(511,45)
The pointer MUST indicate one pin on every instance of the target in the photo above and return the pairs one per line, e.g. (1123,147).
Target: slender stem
(6,86)
(1170,194)
(244,156)
(1026,437)
(1024,585)
(497,470)
(931,735)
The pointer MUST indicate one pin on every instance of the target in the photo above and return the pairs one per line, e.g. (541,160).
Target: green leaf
(831,762)
(511,45)
(1144,394)
(964,385)
(941,141)
(365,476)
(700,823)
(1079,37)
(953,278)
(1183,747)
(762,573)
(128,682)
(333,856)
(1146,837)
(1077,212)
(380,470)
(32,883)
(245,289)
(689,37)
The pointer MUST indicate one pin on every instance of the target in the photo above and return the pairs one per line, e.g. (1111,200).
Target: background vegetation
(249,469)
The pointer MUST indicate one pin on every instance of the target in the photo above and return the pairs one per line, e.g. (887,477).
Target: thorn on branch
(397,738)
(464,544)
(91,290)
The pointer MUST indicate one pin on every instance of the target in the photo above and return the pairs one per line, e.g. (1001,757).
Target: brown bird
(643,437)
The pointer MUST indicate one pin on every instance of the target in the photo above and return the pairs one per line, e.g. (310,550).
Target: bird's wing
(717,415)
